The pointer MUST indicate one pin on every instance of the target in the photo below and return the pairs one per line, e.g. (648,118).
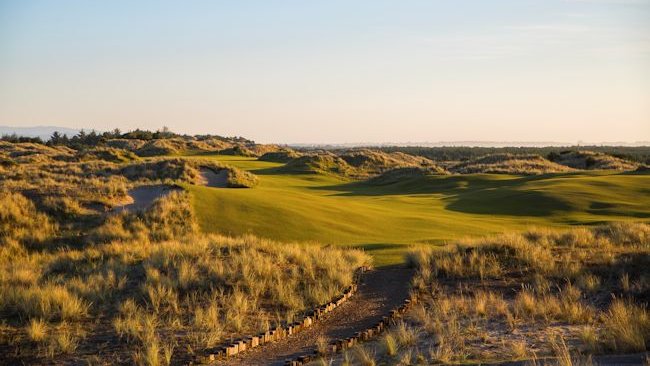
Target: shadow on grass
(477,194)
(370,247)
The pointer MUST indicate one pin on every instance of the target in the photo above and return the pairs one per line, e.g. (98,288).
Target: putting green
(386,219)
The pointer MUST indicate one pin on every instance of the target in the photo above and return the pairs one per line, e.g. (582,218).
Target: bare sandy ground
(144,196)
(214,179)
(380,291)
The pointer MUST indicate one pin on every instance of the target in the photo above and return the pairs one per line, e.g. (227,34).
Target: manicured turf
(387,219)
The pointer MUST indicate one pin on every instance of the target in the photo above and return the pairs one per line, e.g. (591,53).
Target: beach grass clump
(506,163)
(535,284)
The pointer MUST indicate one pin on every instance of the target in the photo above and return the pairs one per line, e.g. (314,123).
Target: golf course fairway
(386,220)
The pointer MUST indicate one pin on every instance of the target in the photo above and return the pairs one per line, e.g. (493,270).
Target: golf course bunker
(214,179)
(144,196)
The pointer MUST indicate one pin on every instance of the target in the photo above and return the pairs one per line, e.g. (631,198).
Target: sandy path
(144,196)
(380,291)
(211,178)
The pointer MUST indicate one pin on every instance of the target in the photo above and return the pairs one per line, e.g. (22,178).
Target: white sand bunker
(144,196)
(211,178)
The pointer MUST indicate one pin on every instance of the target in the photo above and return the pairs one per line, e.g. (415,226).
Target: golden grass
(210,288)
(36,330)
(390,345)
(533,284)
(626,326)
(147,279)
(20,222)
(509,164)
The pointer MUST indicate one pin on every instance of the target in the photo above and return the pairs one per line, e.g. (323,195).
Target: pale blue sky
(332,71)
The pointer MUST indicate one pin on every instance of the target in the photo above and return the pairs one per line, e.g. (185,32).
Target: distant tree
(14,138)
(164,133)
(138,134)
(55,139)
(553,156)
(114,134)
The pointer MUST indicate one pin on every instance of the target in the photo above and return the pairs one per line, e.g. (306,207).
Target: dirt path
(380,291)
(143,197)
(215,179)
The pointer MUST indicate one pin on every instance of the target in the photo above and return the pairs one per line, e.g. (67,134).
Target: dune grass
(521,296)
(385,219)
(153,289)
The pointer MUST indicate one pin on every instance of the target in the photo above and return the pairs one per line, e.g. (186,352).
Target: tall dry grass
(534,284)
(146,283)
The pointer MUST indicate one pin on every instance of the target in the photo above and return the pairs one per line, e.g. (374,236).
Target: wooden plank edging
(281,332)
(371,333)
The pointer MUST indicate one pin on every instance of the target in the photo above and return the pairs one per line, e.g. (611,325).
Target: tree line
(94,138)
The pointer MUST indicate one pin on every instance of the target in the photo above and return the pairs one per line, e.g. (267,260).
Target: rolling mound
(177,170)
(510,164)
(355,163)
(169,146)
(109,154)
(327,163)
(401,174)
(126,144)
(261,149)
(282,156)
(376,162)
(161,147)
(238,150)
(27,152)
(590,160)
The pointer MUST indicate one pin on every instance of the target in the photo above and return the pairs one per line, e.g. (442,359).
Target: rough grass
(169,217)
(509,164)
(355,164)
(180,170)
(282,156)
(87,182)
(319,163)
(372,162)
(592,161)
(109,154)
(160,292)
(480,297)
(238,150)
(21,223)
(398,175)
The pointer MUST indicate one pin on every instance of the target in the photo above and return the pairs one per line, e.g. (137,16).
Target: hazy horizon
(333,72)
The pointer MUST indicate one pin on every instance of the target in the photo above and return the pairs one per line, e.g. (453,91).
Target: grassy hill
(509,164)
(592,161)
(386,219)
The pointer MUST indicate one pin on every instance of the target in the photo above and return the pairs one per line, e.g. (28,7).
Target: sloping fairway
(387,219)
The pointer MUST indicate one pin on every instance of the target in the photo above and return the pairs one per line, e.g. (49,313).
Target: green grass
(386,220)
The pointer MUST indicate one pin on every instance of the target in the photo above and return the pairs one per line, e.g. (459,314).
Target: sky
(332,71)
